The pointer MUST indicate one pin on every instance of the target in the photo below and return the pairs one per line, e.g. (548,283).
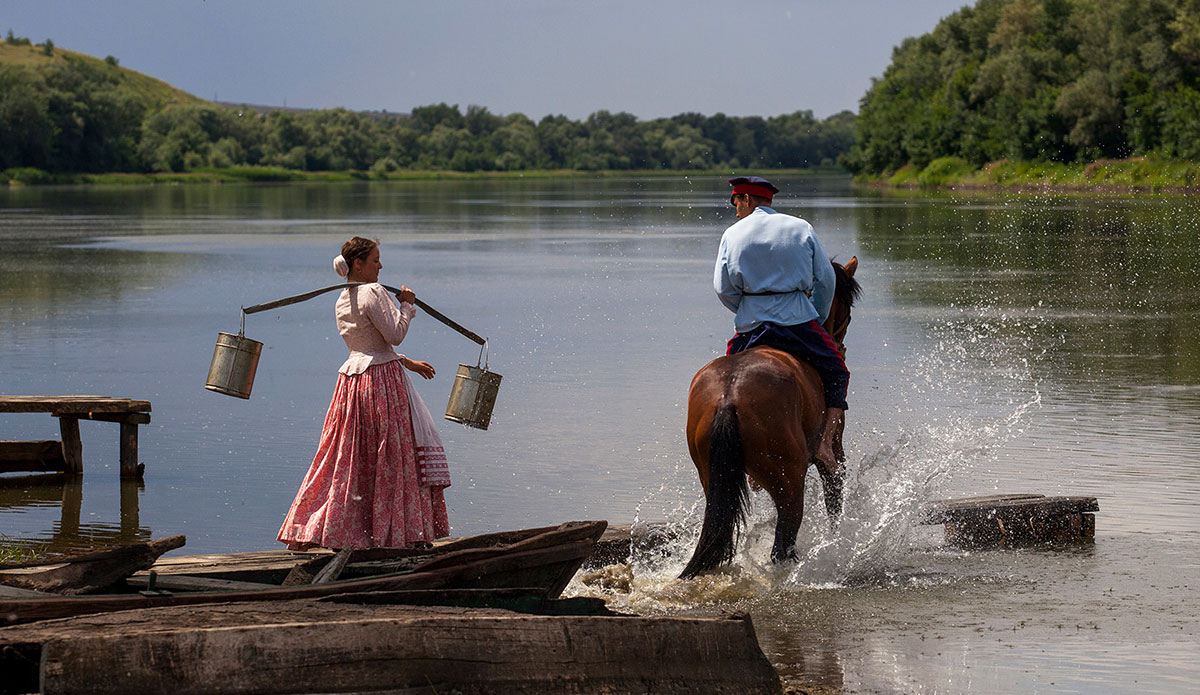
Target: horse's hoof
(787,556)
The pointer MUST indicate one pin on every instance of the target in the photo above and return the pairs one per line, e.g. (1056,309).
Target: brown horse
(760,413)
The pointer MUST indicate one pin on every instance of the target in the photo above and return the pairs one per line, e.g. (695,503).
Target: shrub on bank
(944,170)
(905,176)
(27,176)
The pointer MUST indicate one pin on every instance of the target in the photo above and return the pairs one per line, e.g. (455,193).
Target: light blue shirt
(770,251)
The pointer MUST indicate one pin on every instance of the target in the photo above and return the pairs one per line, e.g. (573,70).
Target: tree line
(77,115)
(1042,80)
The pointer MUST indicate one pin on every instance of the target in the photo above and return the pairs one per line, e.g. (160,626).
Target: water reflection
(1114,277)
(50,491)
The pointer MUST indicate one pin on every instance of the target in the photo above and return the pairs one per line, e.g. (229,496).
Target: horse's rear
(757,413)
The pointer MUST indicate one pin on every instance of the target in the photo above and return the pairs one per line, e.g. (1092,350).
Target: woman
(379,472)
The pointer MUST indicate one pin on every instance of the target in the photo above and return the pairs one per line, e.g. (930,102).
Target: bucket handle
(483,355)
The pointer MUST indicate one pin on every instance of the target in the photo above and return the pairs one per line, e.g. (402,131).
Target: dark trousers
(807,342)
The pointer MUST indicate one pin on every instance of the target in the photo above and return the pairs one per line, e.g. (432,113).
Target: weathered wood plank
(1014,508)
(17,592)
(72,445)
(519,600)
(523,654)
(71,405)
(128,418)
(88,572)
(129,450)
(333,568)
(182,582)
(34,456)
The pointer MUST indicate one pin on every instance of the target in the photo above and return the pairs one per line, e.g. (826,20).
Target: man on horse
(773,274)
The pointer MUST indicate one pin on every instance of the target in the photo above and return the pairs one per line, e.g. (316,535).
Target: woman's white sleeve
(389,319)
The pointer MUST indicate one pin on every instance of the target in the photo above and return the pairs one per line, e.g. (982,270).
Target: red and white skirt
(364,488)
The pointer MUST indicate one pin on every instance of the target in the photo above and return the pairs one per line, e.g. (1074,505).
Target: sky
(651,58)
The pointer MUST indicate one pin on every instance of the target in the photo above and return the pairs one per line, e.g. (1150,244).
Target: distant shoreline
(36,177)
(1138,175)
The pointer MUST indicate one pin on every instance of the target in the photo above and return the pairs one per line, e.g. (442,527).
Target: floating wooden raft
(314,646)
(1014,520)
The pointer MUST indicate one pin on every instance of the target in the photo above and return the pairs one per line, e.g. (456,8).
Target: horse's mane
(848,288)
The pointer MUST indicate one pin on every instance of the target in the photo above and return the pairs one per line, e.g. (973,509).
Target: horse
(759,414)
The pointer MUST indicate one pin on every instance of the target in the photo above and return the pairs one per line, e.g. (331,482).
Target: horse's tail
(728,495)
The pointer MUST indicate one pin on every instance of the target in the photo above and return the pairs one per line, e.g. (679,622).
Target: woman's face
(367,270)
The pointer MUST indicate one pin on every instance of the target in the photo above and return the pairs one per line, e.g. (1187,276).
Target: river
(1044,344)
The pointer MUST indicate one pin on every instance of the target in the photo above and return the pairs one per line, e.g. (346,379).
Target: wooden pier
(67,455)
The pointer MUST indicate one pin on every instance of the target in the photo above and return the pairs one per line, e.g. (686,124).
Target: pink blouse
(371,323)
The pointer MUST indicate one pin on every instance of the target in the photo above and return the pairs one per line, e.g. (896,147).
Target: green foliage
(14,551)
(26,175)
(14,40)
(944,170)
(48,48)
(78,115)
(1044,80)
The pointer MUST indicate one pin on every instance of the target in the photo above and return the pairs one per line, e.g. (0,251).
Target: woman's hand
(406,295)
(422,368)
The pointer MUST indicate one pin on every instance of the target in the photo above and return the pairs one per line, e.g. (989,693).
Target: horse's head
(844,295)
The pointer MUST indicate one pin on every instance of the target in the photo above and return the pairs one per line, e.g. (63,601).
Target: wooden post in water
(72,445)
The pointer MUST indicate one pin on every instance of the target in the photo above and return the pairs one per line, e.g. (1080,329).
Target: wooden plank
(71,405)
(422,654)
(17,592)
(334,567)
(72,445)
(182,582)
(128,418)
(35,456)
(518,600)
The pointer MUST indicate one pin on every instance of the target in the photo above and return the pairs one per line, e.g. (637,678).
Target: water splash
(953,419)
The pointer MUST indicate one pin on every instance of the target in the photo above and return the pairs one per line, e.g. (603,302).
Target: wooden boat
(86,573)
(539,561)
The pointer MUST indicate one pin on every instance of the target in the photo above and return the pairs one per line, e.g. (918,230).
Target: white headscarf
(340,267)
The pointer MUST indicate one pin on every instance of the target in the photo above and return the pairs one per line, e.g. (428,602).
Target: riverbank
(38,177)
(1136,175)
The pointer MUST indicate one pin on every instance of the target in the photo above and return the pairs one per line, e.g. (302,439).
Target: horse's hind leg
(790,512)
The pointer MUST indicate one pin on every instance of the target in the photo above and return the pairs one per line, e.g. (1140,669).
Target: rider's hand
(406,295)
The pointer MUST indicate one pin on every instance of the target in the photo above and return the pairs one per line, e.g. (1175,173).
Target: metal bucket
(473,396)
(234,362)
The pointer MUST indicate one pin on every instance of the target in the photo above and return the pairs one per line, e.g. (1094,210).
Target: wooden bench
(40,455)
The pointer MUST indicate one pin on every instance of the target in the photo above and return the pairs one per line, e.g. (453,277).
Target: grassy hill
(156,93)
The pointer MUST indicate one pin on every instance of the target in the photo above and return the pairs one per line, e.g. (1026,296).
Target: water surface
(1003,344)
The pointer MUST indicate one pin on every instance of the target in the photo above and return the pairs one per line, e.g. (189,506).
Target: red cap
(754,185)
